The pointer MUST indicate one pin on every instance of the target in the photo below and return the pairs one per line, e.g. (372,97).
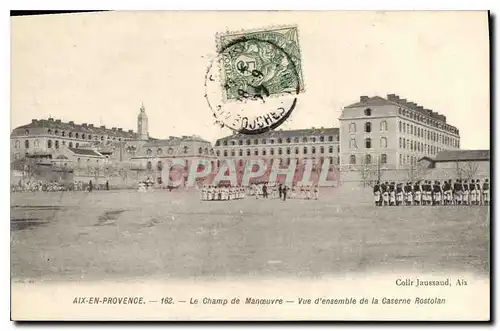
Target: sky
(98,67)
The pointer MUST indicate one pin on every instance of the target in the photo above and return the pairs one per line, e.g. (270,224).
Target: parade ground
(127,234)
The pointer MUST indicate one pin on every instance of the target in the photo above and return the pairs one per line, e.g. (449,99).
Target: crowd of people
(432,193)
(55,186)
(221,192)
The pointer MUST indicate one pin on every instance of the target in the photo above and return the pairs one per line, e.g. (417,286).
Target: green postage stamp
(260,63)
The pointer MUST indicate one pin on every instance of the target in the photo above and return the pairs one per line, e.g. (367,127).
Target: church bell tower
(142,124)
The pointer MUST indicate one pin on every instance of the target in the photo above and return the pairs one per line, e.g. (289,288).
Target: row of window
(428,134)
(367,159)
(36,144)
(288,150)
(287,161)
(368,143)
(407,159)
(278,141)
(78,135)
(368,127)
(185,149)
(427,120)
(417,146)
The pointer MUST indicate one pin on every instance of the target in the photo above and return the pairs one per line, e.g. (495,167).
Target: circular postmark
(252,85)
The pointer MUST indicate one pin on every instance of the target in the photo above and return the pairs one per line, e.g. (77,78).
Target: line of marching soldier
(427,193)
(219,193)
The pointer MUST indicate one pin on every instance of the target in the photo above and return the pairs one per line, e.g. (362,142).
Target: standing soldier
(316,192)
(385,193)
(472,192)
(486,192)
(399,194)
(392,194)
(285,189)
(437,193)
(376,194)
(280,191)
(418,193)
(465,195)
(478,192)
(457,190)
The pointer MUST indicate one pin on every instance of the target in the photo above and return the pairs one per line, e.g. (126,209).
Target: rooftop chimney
(103,127)
(412,104)
(130,131)
(113,128)
(120,129)
(51,119)
(91,125)
(392,97)
(71,122)
(34,121)
(363,98)
(58,121)
(84,125)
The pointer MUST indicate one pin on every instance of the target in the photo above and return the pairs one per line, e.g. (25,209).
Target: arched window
(400,158)
(256,141)
(411,145)
(271,151)
(304,139)
(264,152)
(305,149)
(400,142)
(77,144)
(368,143)
(233,153)
(36,143)
(264,141)
(383,126)
(399,123)
(313,150)
(17,144)
(159,165)
(206,150)
(280,141)
(26,144)
(352,143)
(240,152)
(149,152)
(149,165)
(288,150)
(297,151)
(56,132)
(296,139)
(159,151)
(83,136)
(185,149)
(248,142)
(233,142)
(217,153)
(352,127)
(70,134)
(368,112)
(225,152)
(368,159)
(70,144)
(200,150)
(383,159)
(313,139)
(288,140)
(352,159)
(256,152)
(330,149)
(368,127)
(240,142)
(322,149)
(383,142)
(224,143)
(322,138)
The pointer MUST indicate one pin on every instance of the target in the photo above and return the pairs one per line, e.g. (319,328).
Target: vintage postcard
(180,166)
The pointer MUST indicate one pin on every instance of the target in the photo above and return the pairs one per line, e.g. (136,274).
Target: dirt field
(126,234)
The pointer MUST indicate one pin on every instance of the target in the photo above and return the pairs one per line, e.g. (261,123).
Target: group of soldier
(221,193)
(428,193)
(264,190)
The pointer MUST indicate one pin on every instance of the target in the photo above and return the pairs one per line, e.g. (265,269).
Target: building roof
(285,133)
(393,99)
(81,151)
(56,124)
(463,155)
